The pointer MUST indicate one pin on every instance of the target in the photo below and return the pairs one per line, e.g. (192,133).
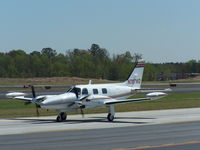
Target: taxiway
(97,121)
(175,129)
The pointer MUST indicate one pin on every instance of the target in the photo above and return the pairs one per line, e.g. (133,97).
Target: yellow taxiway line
(181,121)
(159,146)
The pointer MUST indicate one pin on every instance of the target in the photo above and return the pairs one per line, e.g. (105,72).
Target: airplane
(93,95)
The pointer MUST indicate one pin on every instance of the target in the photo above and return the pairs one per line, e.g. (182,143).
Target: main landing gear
(61,117)
(111,114)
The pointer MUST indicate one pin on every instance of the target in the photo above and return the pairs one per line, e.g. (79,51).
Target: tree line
(94,62)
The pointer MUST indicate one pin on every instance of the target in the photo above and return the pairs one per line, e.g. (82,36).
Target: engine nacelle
(156,95)
(58,101)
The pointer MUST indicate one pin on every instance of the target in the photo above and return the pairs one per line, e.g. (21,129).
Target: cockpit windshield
(75,90)
(68,90)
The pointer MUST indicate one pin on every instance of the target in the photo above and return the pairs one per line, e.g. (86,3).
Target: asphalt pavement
(175,136)
(160,129)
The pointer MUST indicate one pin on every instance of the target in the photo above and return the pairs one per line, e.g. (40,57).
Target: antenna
(90,82)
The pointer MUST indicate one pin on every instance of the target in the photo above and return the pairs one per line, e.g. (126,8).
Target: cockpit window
(75,90)
(78,91)
(68,90)
(84,91)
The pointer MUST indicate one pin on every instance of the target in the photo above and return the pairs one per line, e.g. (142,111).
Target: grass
(74,80)
(49,81)
(16,108)
(172,101)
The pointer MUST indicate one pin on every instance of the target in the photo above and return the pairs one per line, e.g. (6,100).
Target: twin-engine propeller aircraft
(93,95)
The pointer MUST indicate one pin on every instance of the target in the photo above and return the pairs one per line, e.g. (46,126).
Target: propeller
(81,109)
(37,111)
(27,103)
(79,103)
(33,91)
(83,106)
(82,113)
(36,105)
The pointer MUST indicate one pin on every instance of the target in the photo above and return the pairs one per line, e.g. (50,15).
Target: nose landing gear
(61,117)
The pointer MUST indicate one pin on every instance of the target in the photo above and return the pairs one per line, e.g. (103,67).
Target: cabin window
(95,91)
(104,91)
(84,91)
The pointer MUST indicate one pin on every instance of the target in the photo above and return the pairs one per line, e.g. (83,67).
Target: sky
(160,30)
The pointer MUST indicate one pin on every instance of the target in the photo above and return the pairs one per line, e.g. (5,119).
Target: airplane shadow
(81,121)
(126,117)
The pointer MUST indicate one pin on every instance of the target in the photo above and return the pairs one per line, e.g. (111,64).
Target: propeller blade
(85,97)
(27,103)
(36,105)
(33,91)
(82,113)
(37,111)
(76,111)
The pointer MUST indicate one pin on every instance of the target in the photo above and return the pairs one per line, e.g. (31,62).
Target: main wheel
(63,116)
(59,118)
(110,117)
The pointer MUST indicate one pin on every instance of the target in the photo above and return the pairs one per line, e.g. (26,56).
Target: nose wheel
(61,117)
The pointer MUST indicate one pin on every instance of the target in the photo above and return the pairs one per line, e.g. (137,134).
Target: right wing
(106,100)
(114,101)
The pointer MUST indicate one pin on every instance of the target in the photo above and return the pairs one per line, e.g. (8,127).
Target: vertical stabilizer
(135,78)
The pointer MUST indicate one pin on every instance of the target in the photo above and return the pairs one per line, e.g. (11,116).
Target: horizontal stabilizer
(147,90)
(156,95)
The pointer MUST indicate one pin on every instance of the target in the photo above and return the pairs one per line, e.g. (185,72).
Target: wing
(114,101)
(23,98)
(38,99)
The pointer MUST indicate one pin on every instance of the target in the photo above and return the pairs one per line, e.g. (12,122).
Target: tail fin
(135,78)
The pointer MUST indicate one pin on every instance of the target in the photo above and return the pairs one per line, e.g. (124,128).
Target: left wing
(23,98)
(114,101)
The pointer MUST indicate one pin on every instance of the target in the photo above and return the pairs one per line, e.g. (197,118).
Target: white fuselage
(97,92)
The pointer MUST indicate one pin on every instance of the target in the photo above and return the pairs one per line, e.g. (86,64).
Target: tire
(59,119)
(63,116)
(110,117)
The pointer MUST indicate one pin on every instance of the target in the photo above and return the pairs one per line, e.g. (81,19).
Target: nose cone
(60,99)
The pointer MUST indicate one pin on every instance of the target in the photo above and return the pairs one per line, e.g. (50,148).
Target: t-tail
(135,78)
